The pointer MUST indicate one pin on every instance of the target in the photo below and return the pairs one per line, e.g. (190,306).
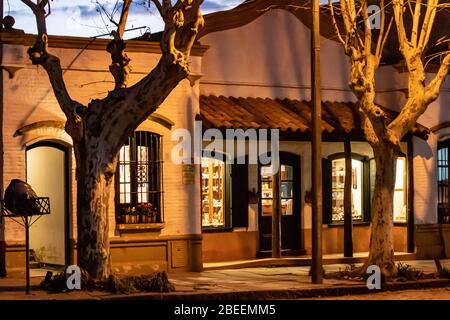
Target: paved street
(245,283)
(422,294)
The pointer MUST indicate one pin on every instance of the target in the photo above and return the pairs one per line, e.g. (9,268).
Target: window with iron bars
(442,178)
(138,189)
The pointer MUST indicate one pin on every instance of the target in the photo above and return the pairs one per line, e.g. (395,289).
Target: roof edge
(70,42)
(250,10)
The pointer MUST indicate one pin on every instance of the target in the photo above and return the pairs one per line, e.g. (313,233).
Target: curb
(285,294)
(302,262)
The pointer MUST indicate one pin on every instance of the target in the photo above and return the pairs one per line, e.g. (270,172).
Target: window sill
(355,224)
(364,223)
(132,227)
(212,230)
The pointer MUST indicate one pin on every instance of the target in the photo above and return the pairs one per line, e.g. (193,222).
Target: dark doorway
(290,206)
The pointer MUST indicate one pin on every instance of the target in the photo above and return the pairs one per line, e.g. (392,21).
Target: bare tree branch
(39,13)
(432,89)
(120,66)
(367,30)
(383,34)
(428,23)
(384,38)
(398,6)
(30,4)
(420,94)
(158,6)
(335,25)
(123,17)
(39,55)
(415,28)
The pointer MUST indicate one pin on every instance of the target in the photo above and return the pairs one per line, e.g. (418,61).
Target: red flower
(147,205)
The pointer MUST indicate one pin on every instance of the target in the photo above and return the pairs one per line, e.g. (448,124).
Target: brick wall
(28,98)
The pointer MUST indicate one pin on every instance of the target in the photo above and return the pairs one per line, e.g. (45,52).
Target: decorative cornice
(40,124)
(11,70)
(89,43)
(162,120)
(56,124)
(440,126)
(193,78)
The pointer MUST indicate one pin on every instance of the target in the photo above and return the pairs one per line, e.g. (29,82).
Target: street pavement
(247,283)
(417,294)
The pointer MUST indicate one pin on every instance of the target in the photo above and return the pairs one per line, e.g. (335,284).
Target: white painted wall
(270,57)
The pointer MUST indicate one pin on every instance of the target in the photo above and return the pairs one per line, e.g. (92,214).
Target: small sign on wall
(188,174)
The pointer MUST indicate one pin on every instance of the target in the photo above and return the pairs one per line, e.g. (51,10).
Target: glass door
(289,198)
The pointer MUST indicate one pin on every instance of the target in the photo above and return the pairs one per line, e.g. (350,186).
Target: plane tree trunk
(99,129)
(381,252)
(383,131)
(94,186)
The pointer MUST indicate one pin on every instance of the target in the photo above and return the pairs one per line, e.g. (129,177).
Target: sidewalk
(248,283)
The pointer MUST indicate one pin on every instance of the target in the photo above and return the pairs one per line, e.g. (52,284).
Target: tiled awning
(287,115)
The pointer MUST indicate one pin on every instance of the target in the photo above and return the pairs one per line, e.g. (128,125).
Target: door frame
(67,216)
(293,159)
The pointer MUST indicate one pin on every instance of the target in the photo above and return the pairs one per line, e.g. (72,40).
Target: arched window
(138,192)
(442,178)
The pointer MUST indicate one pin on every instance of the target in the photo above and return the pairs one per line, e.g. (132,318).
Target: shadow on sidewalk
(12,288)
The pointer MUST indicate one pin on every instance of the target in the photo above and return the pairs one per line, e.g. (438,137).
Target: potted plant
(122,216)
(125,215)
(134,215)
(154,215)
(129,215)
(145,212)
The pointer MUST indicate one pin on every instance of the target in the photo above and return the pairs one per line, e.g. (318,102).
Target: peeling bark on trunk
(120,67)
(94,186)
(381,240)
(99,129)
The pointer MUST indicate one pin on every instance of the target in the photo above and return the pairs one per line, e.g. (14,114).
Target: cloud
(211,5)
(82,17)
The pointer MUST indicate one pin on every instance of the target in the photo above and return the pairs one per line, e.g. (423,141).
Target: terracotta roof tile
(285,114)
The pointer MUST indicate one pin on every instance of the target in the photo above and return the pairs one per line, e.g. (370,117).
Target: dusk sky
(81,17)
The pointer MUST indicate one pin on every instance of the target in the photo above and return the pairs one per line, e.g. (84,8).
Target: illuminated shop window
(286,190)
(363,182)
(214,193)
(400,192)
(338,179)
